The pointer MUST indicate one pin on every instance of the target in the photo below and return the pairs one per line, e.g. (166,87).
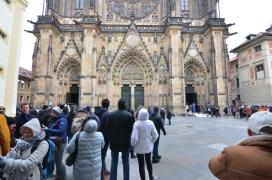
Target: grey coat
(25,167)
(88,163)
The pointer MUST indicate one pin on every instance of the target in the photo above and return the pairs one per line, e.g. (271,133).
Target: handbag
(72,157)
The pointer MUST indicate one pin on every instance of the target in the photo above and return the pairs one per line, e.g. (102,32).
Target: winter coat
(144,134)
(88,163)
(4,136)
(57,127)
(25,167)
(103,115)
(250,160)
(20,121)
(119,128)
(157,120)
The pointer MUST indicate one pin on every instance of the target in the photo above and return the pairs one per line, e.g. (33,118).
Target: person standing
(21,163)
(157,120)
(251,158)
(119,128)
(57,133)
(21,119)
(4,136)
(88,162)
(103,115)
(144,135)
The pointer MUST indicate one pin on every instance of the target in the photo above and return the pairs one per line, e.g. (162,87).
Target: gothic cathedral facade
(167,53)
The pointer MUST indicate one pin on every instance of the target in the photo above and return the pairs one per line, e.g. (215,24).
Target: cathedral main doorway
(191,96)
(73,96)
(133,95)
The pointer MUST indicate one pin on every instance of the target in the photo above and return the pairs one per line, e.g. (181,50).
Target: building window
(259,71)
(7,1)
(92,4)
(258,48)
(237,83)
(21,98)
(28,86)
(27,99)
(22,84)
(1,71)
(2,34)
(184,5)
(236,66)
(79,4)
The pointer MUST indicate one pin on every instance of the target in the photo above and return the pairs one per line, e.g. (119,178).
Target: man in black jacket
(103,114)
(23,118)
(157,119)
(119,127)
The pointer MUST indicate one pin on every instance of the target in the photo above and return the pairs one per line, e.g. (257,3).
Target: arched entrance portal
(195,82)
(133,75)
(68,76)
(132,79)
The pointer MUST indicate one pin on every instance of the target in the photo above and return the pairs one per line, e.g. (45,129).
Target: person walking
(20,163)
(24,117)
(144,135)
(250,159)
(88,164)
(169,116)
(57,133)
(119,129)
(157,120)
(4,136)
(103,115)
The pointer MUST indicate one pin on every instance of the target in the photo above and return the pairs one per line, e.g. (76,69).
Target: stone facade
(255,68)
(159,52)
(24,86)
(234,82)
(11,28)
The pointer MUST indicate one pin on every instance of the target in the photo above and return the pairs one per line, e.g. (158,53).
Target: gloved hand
(3,162)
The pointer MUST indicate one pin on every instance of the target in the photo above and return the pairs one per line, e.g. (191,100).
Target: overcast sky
(249,16)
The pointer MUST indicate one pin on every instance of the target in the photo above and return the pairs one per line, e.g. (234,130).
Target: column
(132,87)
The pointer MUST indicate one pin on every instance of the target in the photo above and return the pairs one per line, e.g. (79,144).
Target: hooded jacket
(4,136)
(250,160)
(57,127)
(144,134)
(88,163)
(25,165)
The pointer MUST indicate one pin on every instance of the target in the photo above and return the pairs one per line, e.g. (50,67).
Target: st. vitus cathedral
(167,53)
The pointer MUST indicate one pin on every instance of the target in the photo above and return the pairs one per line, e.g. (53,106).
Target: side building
(234,82)
(24,86)
(255,67)
(11,28)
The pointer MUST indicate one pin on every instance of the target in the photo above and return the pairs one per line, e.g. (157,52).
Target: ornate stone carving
(132,72)
(132,8)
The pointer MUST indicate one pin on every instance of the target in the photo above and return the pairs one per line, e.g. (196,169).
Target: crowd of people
(28,140)
(32,145)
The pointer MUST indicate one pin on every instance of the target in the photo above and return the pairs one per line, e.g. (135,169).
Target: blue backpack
(48,164)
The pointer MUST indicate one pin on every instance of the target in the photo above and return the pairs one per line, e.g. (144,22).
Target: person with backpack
(143,136)
(56,131)
(88,163)
(21,163)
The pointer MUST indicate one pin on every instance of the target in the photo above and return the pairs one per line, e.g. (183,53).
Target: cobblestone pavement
(188,146)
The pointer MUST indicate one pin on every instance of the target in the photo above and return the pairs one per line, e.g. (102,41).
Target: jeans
(147,159)
(156,149)
(114,164)
(60,167)
(103,155)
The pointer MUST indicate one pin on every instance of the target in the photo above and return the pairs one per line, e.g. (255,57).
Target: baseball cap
(261,123)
